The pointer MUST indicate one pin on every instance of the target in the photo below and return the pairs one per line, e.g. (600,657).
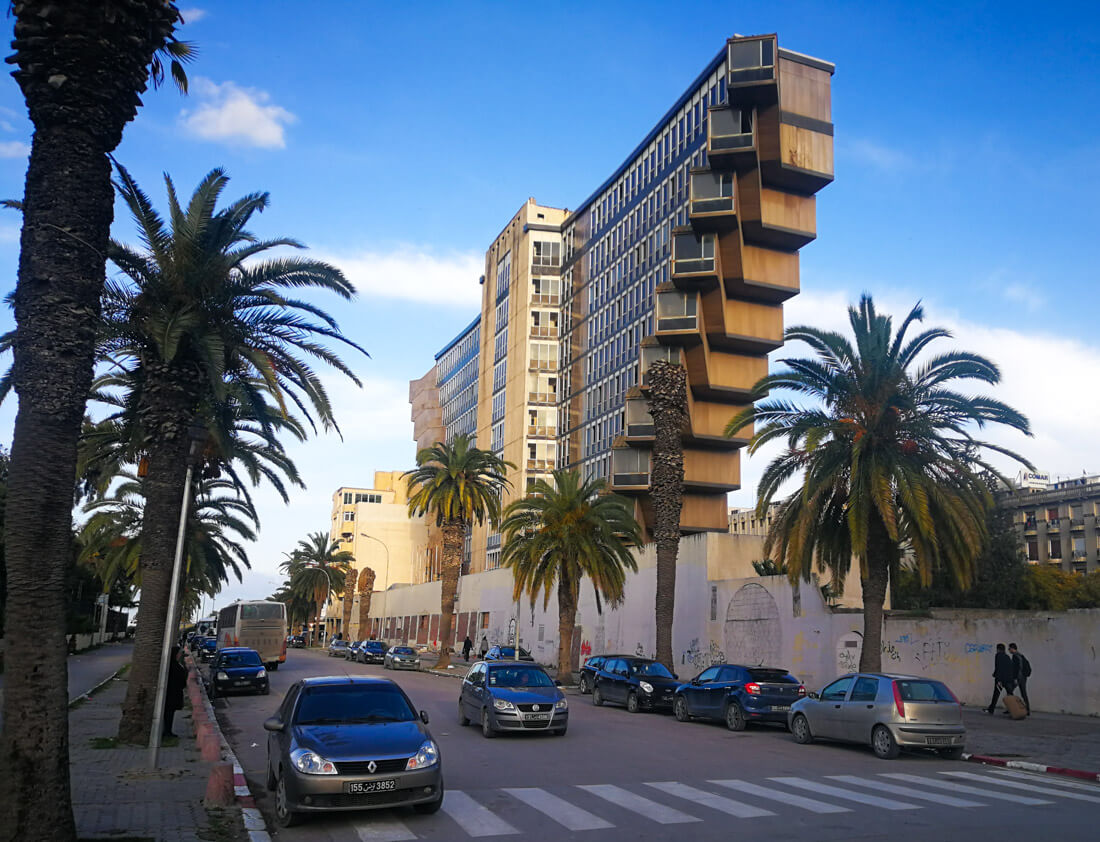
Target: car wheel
(953,753)
(597,696)
(800,728)
(463,719)
(884,744)
(271,781)
(582,685)
(680,709)
(487,730)
(431,807)
(735,717)
(632,705)
(284,816)
(266,691)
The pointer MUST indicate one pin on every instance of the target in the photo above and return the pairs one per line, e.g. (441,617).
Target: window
(545,253)
(1032,550)
(923,691)
(1052,514)
(349,516)
(347,702)
(836,691)
(708,675)
(866,690)
(731,674)
(1055,549)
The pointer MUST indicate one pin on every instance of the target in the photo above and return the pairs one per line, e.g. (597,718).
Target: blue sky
(397,139)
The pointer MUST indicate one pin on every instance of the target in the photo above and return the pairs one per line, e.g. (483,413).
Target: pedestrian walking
(484,646)
(1003,672)
(467,648)
(1021,673)
(173,698)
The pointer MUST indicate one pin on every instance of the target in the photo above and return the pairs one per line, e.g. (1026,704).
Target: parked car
(297,641)
(512,696)
(638,683)
(236,669)
(372,652)
(589,669)
(350,743)
(888,712)
(337,647)
(738,695)
(508,653)
(353,647)
(401,658)
(208,646)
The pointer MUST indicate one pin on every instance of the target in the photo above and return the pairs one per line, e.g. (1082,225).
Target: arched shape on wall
(753,635)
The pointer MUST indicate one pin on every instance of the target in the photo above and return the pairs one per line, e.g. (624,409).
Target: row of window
(459,353)
(1077,547)
(353,497)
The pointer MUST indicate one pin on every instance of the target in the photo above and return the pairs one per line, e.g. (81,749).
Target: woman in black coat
(173,699)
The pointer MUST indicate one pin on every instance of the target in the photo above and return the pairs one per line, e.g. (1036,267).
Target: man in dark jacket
(173,699)
(1003,676)
(1021,671)
(467,648)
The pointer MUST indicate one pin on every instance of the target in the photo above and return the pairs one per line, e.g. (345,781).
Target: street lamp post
(328,595)
(386,610)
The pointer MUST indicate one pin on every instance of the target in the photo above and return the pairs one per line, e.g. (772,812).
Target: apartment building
(686,252)
(1058,521)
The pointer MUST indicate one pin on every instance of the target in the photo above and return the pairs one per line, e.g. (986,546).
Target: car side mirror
(812,695)
(674,675)
(424,716)
(557,682)
(273,723)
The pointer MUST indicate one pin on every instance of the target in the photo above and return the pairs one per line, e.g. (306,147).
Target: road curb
(1026,766)
(253,819)
(87,694)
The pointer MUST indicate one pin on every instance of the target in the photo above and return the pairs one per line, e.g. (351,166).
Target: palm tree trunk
(366,589)
(567,623)
(668,406)
(874,582)
(454,537)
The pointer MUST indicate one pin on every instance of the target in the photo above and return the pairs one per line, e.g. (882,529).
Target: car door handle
(870,707)
(837,707)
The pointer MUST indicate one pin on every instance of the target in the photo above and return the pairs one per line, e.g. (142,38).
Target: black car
(236,669)
(512,696)
(638,683)
(297,641)
(738,695)
(372,652)
(353,648)
(589,669)
(508,653)
(350,743)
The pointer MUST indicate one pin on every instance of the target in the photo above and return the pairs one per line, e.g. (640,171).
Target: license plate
(778,708)
(356,787)
(939,741)
(241,682)
(538,717)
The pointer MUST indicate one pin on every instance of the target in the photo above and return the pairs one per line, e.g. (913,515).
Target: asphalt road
(618,776)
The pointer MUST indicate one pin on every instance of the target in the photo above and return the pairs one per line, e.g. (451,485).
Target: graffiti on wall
(702,658)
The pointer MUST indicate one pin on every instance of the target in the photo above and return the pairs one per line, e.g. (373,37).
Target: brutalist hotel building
(686,252)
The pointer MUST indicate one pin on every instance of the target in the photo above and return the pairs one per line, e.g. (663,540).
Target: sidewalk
(1051,739)
(116,795)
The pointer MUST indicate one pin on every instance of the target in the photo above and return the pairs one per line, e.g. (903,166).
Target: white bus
(258,624)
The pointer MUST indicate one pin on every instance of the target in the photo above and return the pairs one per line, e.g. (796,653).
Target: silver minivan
(888,712)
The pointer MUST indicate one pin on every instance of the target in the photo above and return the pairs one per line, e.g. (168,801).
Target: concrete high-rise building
(687,253)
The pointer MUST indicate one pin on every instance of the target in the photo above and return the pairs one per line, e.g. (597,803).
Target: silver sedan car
(401,658)
(888,712)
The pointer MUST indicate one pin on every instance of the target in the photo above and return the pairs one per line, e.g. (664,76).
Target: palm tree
(459,484)
(199,318)
(317,568)
(887,454)
(298,608)
(562,532)
(82,68)
(667,398)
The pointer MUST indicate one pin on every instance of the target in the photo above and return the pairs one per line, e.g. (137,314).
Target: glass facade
(456,380)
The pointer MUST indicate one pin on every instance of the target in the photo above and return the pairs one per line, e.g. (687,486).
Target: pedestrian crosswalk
(524,811)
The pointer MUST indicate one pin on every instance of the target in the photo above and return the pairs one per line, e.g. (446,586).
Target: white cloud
(412,273)
(192,15)
(14,149)
(876,154)
(231,113)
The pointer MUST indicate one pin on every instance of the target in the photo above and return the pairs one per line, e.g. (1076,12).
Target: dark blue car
(207,648)
(738,695)
(237,669)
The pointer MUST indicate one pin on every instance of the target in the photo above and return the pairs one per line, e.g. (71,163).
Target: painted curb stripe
(1033,767)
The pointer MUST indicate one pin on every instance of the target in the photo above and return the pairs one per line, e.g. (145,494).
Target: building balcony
(543,365)
(630,469)
(541,432)
(651,353)
(540,465)
(551,298)
(1077,523)
(542,398)
(544,331)
(545,269)
(751,64)
(712,205)
(1053,524)
(677,317)
(693,256)
(731,139)
(639,423)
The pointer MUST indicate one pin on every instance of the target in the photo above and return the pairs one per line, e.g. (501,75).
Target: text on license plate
(938,741)
(370,786)
(538,717)
(778,708)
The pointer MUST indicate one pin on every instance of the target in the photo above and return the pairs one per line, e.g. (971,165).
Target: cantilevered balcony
(751,68)
(677,317)
(693,256)
(651,353)
(630,470)
(712,206)
(731,141)
(639,423)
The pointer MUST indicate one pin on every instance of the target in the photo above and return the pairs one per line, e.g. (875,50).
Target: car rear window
(763,674)
(241,659)
(353,703)
(924,691)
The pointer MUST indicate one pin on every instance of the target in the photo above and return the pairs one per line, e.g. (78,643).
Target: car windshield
(653,669)
(924,691)
(404,650)
(375,646)
(764,674)
(349,704)
(241,659)
(339,643)
(519,677)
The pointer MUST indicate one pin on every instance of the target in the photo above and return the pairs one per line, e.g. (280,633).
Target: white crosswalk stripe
(558,809)
(837,792)
(373,829)
(965,789)
(1042,790)
(801,801)
(709,799)
(653,810)
(1053,780)
(475,819)
(908,792)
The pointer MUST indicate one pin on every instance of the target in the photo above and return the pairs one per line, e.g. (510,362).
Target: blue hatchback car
(738,695)
(237,669)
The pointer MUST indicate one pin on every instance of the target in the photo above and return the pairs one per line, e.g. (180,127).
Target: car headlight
(561,704)
(222,676)
(646,686)
(311,763)
(503,704)
(428,755)
(261,673)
